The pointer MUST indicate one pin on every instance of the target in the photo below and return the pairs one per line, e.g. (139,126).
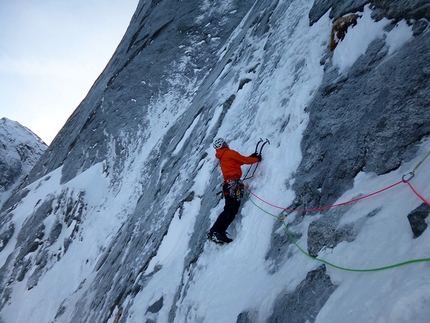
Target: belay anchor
(262,143)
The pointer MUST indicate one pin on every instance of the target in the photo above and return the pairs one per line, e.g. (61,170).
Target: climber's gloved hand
(256,155)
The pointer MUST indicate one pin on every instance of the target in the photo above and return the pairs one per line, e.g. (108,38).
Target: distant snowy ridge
(20,149)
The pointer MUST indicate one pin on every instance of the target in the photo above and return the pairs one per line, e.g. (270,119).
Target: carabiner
(411,174)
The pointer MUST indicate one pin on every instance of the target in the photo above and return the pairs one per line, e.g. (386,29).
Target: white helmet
(219,143)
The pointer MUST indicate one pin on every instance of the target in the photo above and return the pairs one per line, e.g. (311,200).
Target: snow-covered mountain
(20,149)
(110,224)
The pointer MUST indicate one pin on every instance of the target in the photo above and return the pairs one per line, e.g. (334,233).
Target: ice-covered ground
(230,279)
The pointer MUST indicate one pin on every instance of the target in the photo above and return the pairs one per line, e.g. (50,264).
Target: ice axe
(258,152)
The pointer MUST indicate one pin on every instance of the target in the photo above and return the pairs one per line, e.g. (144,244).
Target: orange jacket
(230,162)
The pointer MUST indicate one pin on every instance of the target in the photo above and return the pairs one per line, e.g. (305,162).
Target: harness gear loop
(234,187)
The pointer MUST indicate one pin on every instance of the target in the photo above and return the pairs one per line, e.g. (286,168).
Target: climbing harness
(234,188)
(405,179)
(257,152)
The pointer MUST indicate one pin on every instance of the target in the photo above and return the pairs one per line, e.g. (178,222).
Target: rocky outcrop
(304,303)
(416,10)
(366,108)
(417,219)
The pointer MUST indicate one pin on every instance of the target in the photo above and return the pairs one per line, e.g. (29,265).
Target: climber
(230,162)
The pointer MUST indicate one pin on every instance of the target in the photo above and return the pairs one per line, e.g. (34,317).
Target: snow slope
(123,239)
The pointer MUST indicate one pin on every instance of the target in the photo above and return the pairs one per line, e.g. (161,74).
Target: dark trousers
(227,216)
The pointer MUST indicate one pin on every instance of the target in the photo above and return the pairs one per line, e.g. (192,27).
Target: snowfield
(226,281)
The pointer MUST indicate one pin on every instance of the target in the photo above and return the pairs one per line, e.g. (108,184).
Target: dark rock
(324,232)
(61,310)
(6,235)
(404,9)
(247,317)
(279,250)
(40,263)
(33,247)
(67,242)
(55,231)
(22,268)
(12,202)
(417,219)
(419,27)
(357,121)
(304,303)
(156,307)
(338,8)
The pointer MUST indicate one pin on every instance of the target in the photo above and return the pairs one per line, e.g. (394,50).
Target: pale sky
(51,52)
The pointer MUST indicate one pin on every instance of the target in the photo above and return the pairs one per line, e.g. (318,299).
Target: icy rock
(392,9)
(55,231)
(416,9)
(156,307)
(417,219)
(6,235)
(324,232)
(247,317)
(352,130)
(419,27)
(338,8)
(306,300)
(279,249)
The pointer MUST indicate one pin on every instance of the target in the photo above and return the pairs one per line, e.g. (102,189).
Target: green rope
(333,265)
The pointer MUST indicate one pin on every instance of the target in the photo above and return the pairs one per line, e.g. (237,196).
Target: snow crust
(228,280)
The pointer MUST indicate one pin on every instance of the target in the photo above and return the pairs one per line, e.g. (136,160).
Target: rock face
(375,137)
(169,47)
(392,9)
(121,200)
(20,149)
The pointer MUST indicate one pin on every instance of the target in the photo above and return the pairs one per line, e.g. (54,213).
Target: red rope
(334,205)
(416,193)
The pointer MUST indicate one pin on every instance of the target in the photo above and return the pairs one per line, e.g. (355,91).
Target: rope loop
(405,179)
(400,264)
(322,208)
